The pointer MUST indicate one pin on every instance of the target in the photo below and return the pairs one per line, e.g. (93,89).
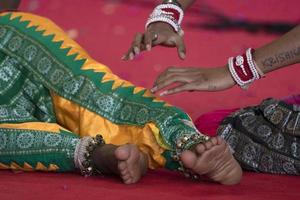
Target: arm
(186,3)
(158,33)
(280,53)
(9,4)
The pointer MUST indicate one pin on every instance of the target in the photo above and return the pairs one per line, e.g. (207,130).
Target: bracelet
(169,13)
(83,154)
(243,69)
(167,19)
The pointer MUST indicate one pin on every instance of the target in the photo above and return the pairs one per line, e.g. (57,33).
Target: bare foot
(127,161)
(215,160)
(132,163)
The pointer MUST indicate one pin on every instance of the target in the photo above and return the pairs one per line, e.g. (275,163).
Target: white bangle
(172,6)
(160,15)
(239,68)
(167,19)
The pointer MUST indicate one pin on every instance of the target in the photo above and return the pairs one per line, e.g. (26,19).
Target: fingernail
(153,89)
(148,46)
(163,93)
(131,56)
(182,55)
(136,50)
(123,57)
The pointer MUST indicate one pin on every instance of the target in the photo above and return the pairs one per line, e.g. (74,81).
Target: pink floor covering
(105,29)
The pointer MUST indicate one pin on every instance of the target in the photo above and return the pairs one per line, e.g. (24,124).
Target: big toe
(122,152)
(188,159)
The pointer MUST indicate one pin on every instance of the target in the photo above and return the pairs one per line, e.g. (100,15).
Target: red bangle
(243,69)
(173,13)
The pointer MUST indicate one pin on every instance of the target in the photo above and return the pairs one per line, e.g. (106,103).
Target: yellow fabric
(39,126)
(29,168)
(84,122)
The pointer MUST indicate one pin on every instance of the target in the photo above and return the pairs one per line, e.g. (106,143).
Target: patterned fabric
(46,77)
(38,149)
(265,138)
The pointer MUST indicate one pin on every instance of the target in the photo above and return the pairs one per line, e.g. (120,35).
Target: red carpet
(105,28)
(156,185)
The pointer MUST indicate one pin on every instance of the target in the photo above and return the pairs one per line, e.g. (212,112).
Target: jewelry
(243,69)
(169,13)
(188,142)
(83,154)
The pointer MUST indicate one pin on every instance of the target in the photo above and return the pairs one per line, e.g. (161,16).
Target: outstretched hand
(191,79)
(158,33)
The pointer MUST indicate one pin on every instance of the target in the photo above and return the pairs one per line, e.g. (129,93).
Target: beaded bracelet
(83,154)
(169,13)
(243,69)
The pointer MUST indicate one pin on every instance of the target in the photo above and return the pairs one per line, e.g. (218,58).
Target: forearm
(9,4)
(184,3)
(280,53)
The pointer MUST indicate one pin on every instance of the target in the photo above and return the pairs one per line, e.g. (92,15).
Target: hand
(190,79)
(158,33)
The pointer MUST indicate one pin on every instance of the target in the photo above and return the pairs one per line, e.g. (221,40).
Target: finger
(182,69)
(170,80)
(135,47)
(148,38)
(176,89)
(164,80)
(187,76)
(127,56)
(158,39)
(180,47)
(166,72)
(136,44)
(159,79)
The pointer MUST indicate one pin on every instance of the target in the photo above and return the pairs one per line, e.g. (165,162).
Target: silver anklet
(83,154)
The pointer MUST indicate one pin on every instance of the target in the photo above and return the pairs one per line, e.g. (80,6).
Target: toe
(208,145)
(214,141)
(220,140)
(200,148)
(124,172)
(122,152)
(188,158)
(122,165)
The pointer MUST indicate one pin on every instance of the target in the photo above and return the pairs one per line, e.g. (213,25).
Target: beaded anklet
(83,154)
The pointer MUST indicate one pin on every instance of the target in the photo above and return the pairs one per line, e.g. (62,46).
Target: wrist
(175,2)
(228,76)
(168,13)
(243,69)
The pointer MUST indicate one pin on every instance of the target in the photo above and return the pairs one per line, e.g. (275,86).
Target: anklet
(188,142)
(83,154)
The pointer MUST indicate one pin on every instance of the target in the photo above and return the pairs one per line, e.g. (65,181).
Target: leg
(56,146)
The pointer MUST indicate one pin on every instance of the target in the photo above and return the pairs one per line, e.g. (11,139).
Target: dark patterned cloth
(265,138)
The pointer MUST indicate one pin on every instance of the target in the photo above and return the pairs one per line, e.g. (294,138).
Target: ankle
(104,159)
